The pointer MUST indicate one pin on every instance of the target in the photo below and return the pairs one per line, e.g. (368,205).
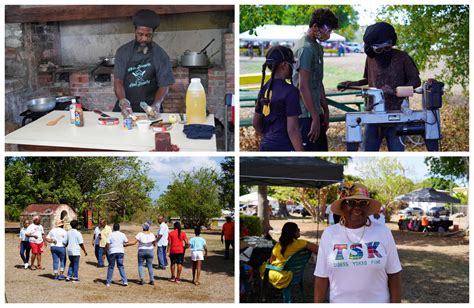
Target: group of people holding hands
(109,244)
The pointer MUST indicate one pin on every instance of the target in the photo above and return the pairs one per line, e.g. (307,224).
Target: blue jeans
(99,255)
(73,270)
(374,135)
(25,251)
(110,272)
(59,258)
(145,255)
(162,261)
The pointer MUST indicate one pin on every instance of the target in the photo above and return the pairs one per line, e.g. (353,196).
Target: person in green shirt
(308,77)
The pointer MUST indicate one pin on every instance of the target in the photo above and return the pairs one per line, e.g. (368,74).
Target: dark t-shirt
(284,102)
(142,74)
(402,71)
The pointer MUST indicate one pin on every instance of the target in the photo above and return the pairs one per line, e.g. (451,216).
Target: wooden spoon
(55,121)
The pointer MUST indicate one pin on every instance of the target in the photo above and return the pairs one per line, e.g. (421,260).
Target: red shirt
(228,230)
(176,244)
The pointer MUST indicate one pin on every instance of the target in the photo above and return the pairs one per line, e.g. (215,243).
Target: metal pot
(192,58)
(43,104)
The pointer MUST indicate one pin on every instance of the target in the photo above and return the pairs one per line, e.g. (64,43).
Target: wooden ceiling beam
(48,13)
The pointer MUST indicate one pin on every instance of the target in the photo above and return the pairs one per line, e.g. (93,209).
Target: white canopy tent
(252,198)
(283,33)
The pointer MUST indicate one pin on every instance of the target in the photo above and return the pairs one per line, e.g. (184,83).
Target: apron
(140,81)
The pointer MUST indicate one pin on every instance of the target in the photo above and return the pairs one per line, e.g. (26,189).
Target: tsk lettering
(356,251)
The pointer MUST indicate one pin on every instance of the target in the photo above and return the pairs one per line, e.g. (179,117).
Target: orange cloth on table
(228,229)
(281,280)
(424,221)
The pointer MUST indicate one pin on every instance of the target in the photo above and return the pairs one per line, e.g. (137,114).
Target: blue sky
(163,168)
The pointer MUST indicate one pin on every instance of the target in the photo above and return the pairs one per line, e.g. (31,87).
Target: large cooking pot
(43,104)
(192,58)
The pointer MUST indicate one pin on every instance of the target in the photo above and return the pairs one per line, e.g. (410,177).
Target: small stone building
(49,213)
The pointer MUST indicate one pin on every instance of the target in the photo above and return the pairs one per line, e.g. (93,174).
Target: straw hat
(355,191)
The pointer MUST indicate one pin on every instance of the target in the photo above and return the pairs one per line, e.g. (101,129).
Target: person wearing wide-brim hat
(142,69)
(357,260)
(58,251)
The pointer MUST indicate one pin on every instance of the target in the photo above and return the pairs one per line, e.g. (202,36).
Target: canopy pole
(263,209)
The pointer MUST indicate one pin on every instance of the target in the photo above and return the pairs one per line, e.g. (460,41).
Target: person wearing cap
(35,234)
(142,71)
(357,259)
(386,68)
(58,251)
(308,77)
(277,110)
(146,242)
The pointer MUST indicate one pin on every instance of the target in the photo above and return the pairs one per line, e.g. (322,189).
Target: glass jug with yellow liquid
(195,103)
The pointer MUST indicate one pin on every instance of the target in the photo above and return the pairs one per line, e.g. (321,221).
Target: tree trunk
(262,208)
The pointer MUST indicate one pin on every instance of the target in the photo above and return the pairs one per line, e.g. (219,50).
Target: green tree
(253,16)
(194,196)
(385,177)
(450,167)
(436,183)
(434,34)
(226,183)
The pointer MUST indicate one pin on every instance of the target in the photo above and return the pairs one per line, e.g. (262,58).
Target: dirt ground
(435,268)
(25,286)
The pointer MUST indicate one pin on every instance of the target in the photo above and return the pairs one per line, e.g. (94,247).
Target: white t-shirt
(96,233)
(116,241)
(357,272)
(164,232)
(380,220)
(145,241)
(57,234)
(73,240)
(35,230)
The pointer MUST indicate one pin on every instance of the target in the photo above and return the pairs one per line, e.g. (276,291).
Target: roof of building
(42,208)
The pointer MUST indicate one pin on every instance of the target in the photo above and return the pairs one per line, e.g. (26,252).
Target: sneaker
(124,284)
(107,284)
(68,278)
(172,279)
(141,282)
(61,277)
(26,265)
(56,277)
(152,283)
(178,281)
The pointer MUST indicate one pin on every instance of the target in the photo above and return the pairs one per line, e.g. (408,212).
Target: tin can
(128,123)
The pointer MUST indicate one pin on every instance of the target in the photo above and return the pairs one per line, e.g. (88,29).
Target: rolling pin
(404,91)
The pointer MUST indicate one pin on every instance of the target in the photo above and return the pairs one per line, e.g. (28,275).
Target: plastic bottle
(195,102)
(79,115)
(72,111)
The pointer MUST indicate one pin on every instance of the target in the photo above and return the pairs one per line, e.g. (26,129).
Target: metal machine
(425,122)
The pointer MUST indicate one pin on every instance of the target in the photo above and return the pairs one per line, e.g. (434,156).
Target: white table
(66,136)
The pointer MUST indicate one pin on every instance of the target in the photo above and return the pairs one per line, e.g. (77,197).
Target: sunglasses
(379,48)
(356,203)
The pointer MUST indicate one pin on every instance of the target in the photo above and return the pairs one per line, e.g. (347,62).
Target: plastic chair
(228,98)
(296,263)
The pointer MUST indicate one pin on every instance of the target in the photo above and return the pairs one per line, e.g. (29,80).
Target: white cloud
(163,166)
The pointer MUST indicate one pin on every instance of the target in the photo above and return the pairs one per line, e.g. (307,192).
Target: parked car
(438,211)
(411,211)
(354,47)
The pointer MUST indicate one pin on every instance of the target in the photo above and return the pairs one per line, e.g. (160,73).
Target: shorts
(37,248)
(177,258)
(197,255)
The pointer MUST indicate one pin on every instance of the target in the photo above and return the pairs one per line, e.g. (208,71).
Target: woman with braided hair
(357,259)
(277,110)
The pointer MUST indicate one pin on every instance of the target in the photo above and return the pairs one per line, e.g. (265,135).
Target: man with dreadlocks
(385,68)
(277,110)
(308,77)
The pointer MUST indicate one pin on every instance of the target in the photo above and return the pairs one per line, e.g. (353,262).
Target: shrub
(252,223)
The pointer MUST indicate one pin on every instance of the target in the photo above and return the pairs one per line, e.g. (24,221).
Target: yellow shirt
(281,280)
(104,235)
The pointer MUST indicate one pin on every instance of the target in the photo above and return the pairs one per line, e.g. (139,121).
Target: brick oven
(49,214)
(55,51)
